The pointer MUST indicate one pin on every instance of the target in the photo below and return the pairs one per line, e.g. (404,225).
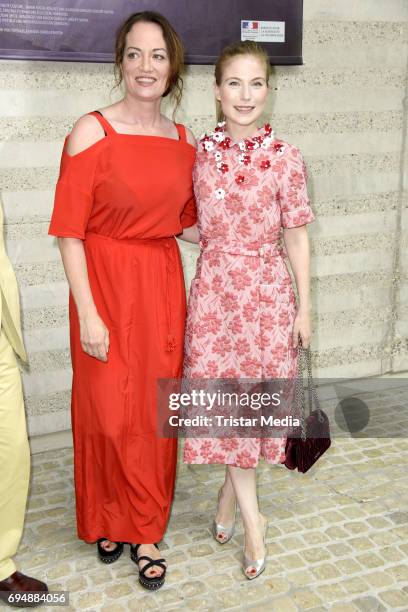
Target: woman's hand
(94,336)
(302,327)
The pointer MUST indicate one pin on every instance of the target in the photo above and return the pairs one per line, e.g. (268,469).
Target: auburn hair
(174,46)
(245,47)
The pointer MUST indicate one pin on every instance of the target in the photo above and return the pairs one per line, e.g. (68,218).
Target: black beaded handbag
(314,439)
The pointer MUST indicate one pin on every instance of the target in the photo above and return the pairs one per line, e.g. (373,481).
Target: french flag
(250,25)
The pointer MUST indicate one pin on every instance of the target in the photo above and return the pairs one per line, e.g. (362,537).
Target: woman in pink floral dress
(242,317)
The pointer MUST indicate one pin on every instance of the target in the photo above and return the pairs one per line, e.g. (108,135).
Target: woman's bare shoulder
(86,131)
(191,138)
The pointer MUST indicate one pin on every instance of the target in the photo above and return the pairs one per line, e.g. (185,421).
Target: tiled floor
(337,538)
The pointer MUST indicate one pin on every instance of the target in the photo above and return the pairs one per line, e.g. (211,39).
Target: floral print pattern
(242,304)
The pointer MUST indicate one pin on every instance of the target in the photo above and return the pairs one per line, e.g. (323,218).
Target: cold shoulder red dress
(126,197)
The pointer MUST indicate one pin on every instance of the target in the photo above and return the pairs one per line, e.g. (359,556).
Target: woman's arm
(297,246)
(190,234)
(94,333)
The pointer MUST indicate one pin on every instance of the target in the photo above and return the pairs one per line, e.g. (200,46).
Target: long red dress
(126,197)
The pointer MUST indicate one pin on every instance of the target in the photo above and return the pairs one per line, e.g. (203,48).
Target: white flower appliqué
(220,194)
(218,136)
(208,145)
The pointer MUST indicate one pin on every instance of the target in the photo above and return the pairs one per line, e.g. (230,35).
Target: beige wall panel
(46,382)
(349,184)
(41,296)
(358,142)
(369,223)
(16,103)
(27,203)
(36,250)
(367,53)
(362,10)
(329,337)
(48,339)
(29,154)
(351,262)
(359,297)
(352,369)
(49,423)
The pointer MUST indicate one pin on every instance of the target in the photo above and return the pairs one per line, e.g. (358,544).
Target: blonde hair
(246,47)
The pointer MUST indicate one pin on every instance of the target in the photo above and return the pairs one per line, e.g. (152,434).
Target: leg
(226,507)
(14,458)
(244,483)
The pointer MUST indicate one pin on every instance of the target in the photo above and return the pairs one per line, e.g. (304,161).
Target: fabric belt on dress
(169,244)
(263,249)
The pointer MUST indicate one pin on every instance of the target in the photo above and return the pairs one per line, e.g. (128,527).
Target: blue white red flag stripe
(250,25)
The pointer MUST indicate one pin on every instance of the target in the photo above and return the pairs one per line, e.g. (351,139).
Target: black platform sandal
(148,582)
(109,556)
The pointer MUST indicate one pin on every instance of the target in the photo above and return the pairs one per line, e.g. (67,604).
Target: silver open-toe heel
(253,567)
(221,533)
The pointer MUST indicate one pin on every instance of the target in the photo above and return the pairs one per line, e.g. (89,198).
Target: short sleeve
(74,193)
(189,214)
(293,197)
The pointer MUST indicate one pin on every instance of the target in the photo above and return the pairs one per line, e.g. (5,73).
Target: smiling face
(146,63)
(243,89)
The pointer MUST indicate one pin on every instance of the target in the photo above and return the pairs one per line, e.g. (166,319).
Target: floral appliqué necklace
(218,139)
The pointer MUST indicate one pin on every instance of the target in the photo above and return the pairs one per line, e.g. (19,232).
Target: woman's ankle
(254,522)
(227,492)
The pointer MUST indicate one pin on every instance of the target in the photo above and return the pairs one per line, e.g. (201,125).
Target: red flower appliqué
(223,168)
(225,144)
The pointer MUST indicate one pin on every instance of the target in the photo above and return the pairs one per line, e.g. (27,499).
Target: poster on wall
(84,30)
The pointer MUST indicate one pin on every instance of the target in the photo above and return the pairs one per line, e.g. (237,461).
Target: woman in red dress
(124,192)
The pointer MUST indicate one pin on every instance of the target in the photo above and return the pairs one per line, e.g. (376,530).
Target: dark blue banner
(84,30)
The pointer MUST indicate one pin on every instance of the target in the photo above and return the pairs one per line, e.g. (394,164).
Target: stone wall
(344,108)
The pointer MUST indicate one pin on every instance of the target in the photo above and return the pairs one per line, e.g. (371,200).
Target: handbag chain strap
(304,358)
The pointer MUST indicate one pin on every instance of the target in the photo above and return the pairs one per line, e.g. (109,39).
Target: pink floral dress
(242,304)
